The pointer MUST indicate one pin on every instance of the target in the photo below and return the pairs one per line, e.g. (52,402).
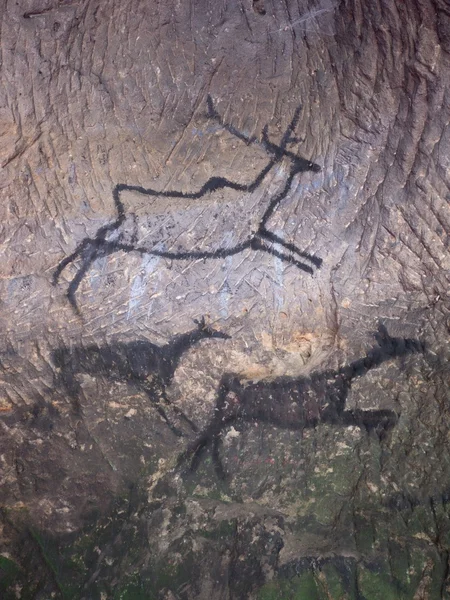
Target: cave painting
(148,367)
(255,201)
(296,403)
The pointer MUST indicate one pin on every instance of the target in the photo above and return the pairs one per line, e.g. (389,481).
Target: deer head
(208,332)
(276,151)
(397,346)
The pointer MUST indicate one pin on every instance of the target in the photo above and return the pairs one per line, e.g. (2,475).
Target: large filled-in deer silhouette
(122,233)
(297,403)
(148,367)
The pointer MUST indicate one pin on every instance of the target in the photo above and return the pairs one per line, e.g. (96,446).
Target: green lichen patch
(65,573)
(134,589)
(333,584)
(9,571)
(152,581)
(225,529)
(364,532)
(304,587)
(376,585)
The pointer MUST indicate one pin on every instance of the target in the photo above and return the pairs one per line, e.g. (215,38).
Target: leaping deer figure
(259,202)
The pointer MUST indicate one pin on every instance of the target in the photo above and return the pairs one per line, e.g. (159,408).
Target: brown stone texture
(97,93)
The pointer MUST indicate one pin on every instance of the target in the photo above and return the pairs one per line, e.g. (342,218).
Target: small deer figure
(146,366)
(297,403)
(121,234)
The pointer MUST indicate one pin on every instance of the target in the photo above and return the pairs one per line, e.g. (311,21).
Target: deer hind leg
(88,251)
(76,281)
(70,259)
(94,248)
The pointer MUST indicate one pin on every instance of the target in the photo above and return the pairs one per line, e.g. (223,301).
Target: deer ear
(381,335)
(382,329)
(200,322)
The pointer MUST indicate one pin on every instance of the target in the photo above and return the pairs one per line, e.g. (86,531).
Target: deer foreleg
(217,462)
(268,235)
(211,434)
(258,244)
(192,455)
(155,393)
(211,438)
(378,420)
(69,383)
(169,424)
(175,408)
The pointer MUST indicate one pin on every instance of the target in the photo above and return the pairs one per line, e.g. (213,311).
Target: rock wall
(224,324)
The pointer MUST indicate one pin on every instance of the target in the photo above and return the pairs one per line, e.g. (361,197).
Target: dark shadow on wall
(296,403)
(148,367)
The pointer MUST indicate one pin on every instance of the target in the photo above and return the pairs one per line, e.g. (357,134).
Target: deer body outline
(109,238)
(296,403)
(150,368)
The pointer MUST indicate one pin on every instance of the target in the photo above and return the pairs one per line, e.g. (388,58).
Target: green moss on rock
(304,587)
(9,571)
(376,586)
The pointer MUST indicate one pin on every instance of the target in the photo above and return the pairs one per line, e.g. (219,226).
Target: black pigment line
(199,254)
(292,126)
(259,245)
(291,247)
(90,249)
(213,114)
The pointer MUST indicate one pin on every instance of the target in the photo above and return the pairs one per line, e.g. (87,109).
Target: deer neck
(374,358)
(175,349)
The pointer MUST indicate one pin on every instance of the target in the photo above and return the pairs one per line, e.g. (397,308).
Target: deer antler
(381,335)
(213,114)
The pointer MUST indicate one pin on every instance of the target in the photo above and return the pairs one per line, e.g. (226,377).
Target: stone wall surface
(224,299)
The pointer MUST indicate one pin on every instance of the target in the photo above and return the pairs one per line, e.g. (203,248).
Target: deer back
(189,220)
